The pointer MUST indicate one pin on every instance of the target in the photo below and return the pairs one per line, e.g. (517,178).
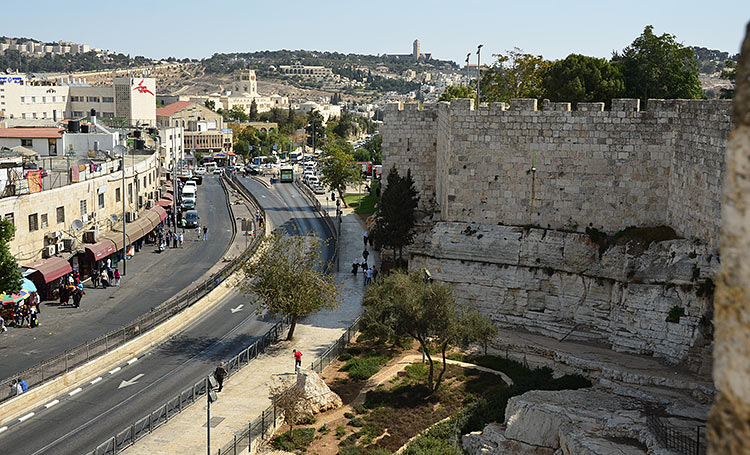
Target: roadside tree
(583,79)
(514,74)
(288,279)
(253,116)
(10,276)
(457,91)
(403,304)
(338,168)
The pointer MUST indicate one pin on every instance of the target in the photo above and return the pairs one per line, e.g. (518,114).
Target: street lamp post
(479,71)
(468,76)
(122,150)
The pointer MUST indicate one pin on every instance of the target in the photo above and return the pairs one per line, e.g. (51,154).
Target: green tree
(287,278)
(315,129)
(729,73)
(659,67)
(395,218)
(10,276)
(253,116)
(514,74)
(374,146)
(210,104)
(338,168)
(582,79)
(235,114)
(240,147)
(457,91)
(403,304)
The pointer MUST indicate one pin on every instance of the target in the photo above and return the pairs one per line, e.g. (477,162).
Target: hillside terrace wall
(591,167)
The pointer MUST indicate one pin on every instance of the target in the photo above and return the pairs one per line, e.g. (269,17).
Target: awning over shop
(161,212)
(163,203)
(100,249)
(137,229)
(168,196)
(115,236)
(49,269)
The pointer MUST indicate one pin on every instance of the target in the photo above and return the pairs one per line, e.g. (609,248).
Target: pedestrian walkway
(245,393)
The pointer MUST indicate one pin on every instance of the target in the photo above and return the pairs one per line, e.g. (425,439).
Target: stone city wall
(591,167)
(559,284)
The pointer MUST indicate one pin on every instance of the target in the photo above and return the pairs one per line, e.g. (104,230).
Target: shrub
(417,372)
(345,356)
(364,367)
(350,450)
(348,415)
(357,422)
(301,439)
(324,429)
(307,419)
(340,431)
(360,408)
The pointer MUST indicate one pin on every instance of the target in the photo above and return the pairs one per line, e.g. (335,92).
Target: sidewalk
(245,393)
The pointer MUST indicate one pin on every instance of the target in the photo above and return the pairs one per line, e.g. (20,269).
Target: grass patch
(298,440)
(362,368)
(369,202)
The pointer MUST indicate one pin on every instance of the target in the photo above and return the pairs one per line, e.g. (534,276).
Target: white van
(210,167)
(188,192)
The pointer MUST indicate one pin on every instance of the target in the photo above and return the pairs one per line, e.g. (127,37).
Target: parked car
(188,203)
(200,170)
(191,218)
(318,188)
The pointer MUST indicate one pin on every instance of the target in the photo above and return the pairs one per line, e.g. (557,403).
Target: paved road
(151,279)
(79,423)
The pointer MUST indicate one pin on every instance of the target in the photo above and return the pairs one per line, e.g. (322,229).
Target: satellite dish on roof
(77,225)
(114,218)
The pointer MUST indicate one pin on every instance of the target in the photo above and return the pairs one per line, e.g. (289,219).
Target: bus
(286,175)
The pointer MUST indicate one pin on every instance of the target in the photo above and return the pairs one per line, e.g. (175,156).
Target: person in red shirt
(297,360)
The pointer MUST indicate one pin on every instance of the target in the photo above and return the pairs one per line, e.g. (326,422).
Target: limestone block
(319,396)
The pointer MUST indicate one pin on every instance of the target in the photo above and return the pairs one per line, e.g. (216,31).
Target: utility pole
(479,71)
(124,239)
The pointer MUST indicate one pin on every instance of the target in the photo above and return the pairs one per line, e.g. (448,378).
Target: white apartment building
(305,71)
(132,99)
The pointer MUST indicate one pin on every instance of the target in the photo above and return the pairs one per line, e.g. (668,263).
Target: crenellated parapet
(563,166)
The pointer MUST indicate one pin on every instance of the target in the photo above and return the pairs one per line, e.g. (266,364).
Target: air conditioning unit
(130,216)
(60,247)
(149,204)
(49,251)
(52,237)
(91,236)
(69,244)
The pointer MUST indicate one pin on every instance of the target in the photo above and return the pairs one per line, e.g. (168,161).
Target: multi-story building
(131,99)
(203,128)
(306,71)
(244,91)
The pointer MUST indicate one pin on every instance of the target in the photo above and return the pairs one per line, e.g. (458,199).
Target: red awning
(161,212)
(49,269)
(101,249)
(168,196)
(163,203)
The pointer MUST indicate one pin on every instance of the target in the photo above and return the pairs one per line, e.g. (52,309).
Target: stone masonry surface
(591,167)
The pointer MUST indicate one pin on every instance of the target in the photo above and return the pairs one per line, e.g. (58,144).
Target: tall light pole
(468,76)
(479,71)
(122,150)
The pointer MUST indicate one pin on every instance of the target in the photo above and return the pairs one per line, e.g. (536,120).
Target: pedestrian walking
(95,278)
(37,302)
(205,232)
(368,276)
(182,240)
(355,268)
(33,320)
(297,360)
(365,237)
(17,389)
(365,254)
(2,325)
(220,373)
(199,231)
(175,240)
(374,274)
(117,277)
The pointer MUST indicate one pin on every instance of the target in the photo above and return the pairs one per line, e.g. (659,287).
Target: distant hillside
(711,61)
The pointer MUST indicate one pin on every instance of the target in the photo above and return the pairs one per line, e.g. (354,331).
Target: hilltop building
(244,90)
(415,55)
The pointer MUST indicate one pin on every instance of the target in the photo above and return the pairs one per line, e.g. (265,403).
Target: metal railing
(264,425)
(676,439)
(85,352)
(161,415)
(326,218)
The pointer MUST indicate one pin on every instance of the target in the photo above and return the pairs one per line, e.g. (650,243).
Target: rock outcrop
(580,422)
(561,284)
(319,396)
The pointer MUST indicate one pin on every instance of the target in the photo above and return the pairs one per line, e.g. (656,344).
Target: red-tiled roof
(171,109)
(31,133)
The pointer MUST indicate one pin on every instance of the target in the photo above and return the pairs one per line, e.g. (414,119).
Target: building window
(117,195)
(84,208)
(60,215)
(23,99)
(54,99)
(33,99)
(130,193)
(45,221)
(44,99)
(10,217)
(27,142)
(108,99)
(33,222)
(101,201)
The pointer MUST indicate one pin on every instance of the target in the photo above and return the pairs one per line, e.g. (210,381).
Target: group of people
(18,386)
(174,239)
(201,233)
(107,276)
(23,314)
(259,221)
(369,273)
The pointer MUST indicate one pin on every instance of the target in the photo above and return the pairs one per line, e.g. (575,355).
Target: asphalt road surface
(151,279)
(80,422)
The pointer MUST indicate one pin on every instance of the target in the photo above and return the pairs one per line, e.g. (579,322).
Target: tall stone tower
(244,82)
(416,53)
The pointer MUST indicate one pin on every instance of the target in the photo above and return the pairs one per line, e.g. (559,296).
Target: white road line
(51,403)
(132,361)
(96,380)
(3,429)
(115,370)
(75,391)
(26,417)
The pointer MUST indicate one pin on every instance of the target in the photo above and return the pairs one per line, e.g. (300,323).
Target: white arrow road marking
(130,382)
(239,308)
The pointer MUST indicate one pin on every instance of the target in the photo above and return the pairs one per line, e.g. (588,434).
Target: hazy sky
(448,29)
